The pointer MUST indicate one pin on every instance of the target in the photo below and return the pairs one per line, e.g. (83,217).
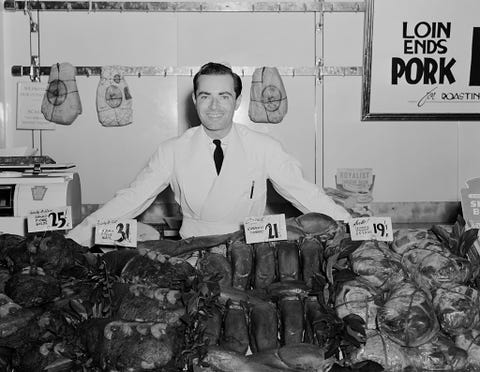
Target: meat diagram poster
(421,60)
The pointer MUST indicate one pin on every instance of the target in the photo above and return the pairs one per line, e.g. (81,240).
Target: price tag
(371,228)
(265,228)
(119,233)
(48,219)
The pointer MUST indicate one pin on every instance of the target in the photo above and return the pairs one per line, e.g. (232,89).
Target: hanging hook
(357,7)
(165,72)
(139,74)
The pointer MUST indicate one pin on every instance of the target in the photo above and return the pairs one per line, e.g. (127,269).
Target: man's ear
(238,101)
(194,99)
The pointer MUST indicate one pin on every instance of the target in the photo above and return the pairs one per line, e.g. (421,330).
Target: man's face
(216,103)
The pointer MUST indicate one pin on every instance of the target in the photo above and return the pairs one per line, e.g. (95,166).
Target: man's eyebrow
(220,93)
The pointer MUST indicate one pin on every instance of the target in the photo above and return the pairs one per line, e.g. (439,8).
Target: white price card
(119,233)
(371,228)
(48,219)
(265,228)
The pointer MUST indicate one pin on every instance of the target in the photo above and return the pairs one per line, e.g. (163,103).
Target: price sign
(471,201)
(471,208)
(48,219)
(371,228)
(265,228)
(119,233)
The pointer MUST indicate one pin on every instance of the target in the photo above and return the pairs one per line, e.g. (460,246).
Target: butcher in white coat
(214,203)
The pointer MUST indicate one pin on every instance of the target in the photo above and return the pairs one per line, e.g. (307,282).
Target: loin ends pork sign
(421,60)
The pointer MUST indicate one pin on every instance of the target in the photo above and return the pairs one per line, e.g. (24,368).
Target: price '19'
(380,229)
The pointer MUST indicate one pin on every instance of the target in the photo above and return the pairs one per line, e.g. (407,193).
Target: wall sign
(29,104)
(421,60)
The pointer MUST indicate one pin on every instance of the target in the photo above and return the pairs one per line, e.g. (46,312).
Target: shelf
(191,6)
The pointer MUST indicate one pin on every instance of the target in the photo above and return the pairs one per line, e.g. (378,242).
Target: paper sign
(119,233)
(371,228)
(265,228)
(29,106)
(47,219)
(471,208)
(471,202)
(357,181)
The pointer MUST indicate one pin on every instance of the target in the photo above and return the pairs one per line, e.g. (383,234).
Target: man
(215,199)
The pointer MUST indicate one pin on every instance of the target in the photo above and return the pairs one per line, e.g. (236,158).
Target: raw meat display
(315,302)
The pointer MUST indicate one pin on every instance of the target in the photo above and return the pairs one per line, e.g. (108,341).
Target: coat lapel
(199,171)
(231,185)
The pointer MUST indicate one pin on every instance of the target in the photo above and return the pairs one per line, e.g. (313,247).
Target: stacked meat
(419,302)
(315,302)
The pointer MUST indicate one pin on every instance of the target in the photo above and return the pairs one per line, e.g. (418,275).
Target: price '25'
(58,219)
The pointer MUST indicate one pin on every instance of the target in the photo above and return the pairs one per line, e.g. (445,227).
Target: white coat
(211,203)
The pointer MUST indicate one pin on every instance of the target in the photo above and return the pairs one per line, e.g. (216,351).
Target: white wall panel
(413,161)
(469,152)
(261,39)
(107,158)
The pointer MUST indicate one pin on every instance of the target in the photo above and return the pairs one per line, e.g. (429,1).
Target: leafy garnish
(459,241)
(201,300)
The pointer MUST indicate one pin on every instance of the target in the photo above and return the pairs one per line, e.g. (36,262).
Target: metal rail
(191,6)
(165,71)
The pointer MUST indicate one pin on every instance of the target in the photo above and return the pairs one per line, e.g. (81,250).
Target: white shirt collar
(225,140)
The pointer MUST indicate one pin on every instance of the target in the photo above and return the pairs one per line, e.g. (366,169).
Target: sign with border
(421,60)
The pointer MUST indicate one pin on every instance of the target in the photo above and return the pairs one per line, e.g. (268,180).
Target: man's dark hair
(212,68)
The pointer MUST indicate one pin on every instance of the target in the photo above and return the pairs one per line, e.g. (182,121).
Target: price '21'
(272,230)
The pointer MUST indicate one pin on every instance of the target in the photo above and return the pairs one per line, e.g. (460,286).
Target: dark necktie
(218,155)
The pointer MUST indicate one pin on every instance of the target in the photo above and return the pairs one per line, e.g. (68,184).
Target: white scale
(26,187)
